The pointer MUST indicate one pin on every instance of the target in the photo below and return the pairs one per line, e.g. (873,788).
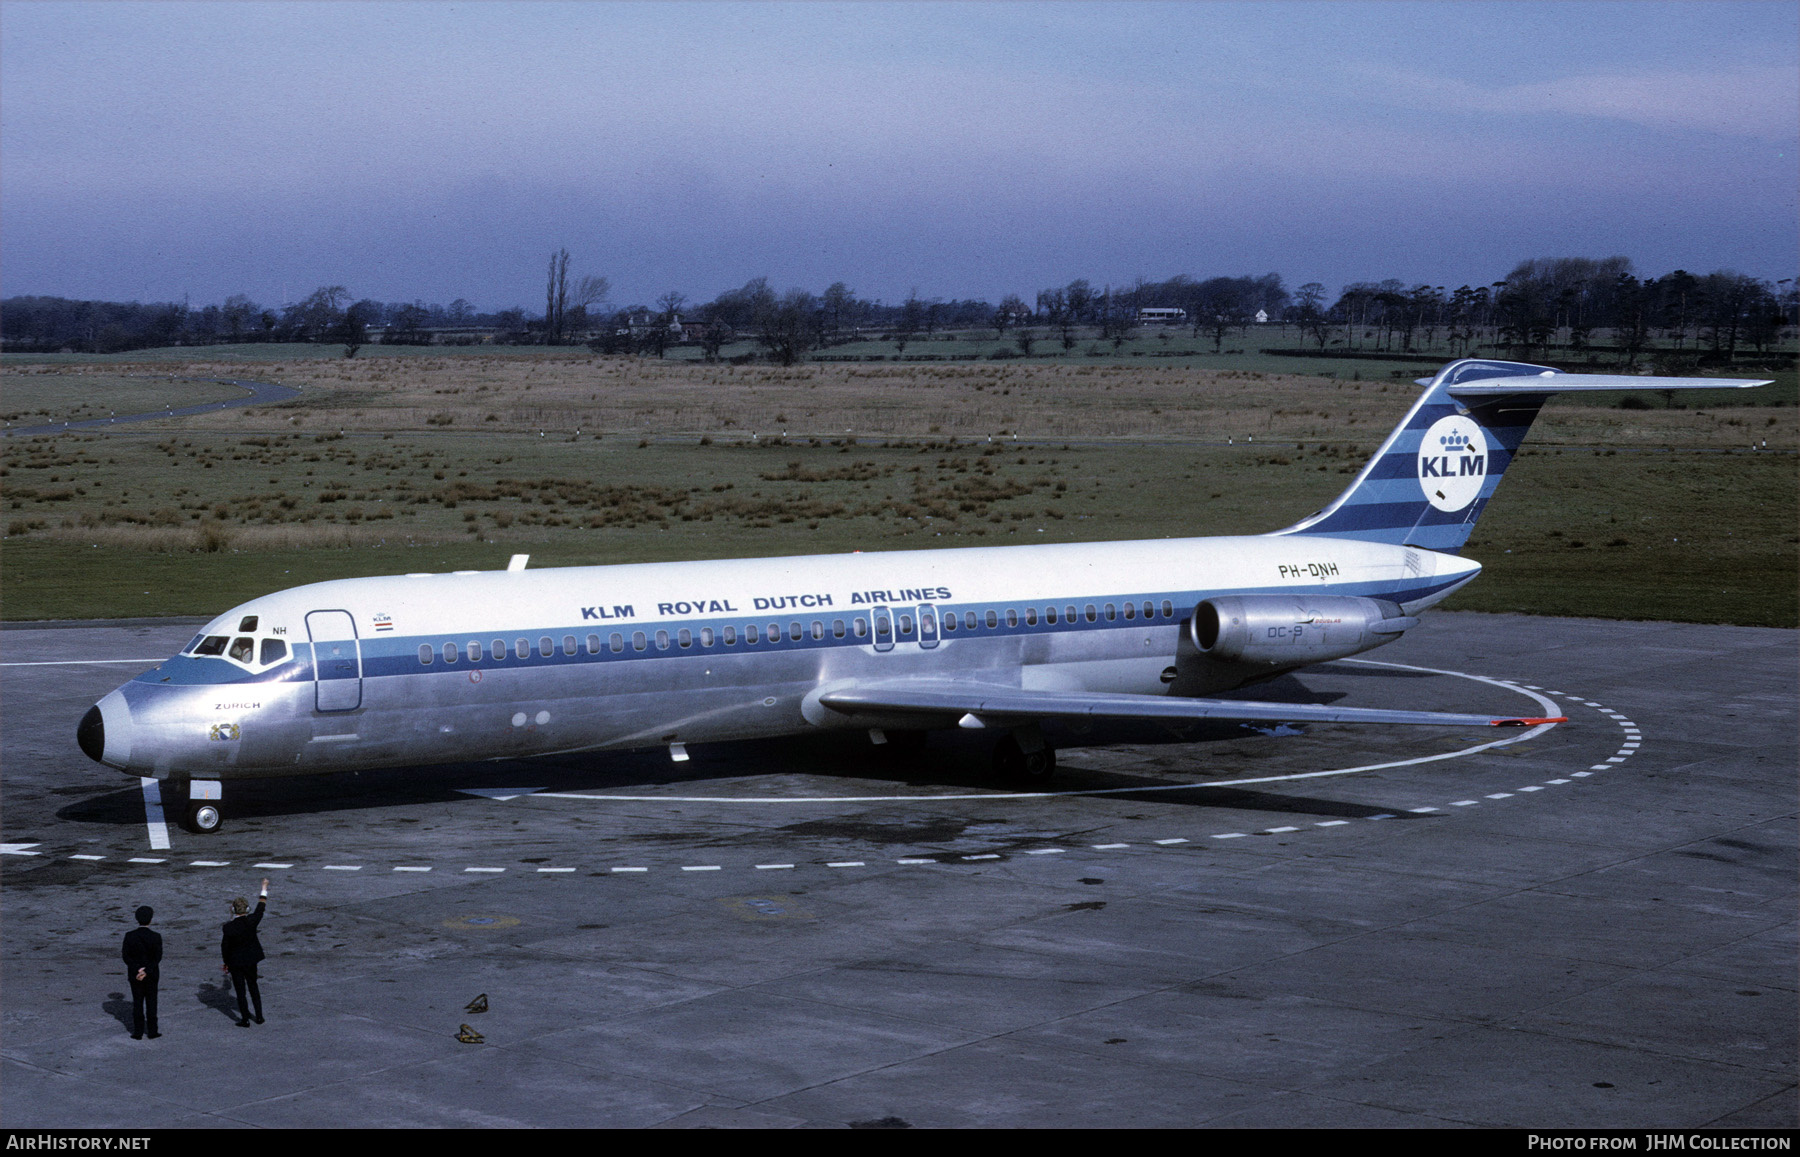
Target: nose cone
(104,733)
(91,733)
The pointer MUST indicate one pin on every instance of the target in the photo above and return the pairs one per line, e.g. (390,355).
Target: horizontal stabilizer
(1003,704)
(1559,383)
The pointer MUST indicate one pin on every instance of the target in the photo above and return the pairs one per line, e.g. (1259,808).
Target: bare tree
(556,297)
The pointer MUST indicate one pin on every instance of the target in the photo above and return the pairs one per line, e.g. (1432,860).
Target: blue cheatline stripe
(388,655)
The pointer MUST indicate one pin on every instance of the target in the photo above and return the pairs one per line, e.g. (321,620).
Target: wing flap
(999,704)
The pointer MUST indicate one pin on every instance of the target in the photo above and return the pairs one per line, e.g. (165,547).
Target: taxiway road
(1591,926)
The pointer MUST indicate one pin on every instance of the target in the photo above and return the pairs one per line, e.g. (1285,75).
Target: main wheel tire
(204,818)
(1013,764)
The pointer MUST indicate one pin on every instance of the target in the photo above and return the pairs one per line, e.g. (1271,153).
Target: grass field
(439,460)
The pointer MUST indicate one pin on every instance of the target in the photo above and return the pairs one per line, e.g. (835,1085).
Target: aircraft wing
(999,706)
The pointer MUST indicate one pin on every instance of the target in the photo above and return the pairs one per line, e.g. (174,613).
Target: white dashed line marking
(631,869)
(210,864)
(1466,803)
(80,857)
(555,871)
(854,863)
(778,867)
(271,865)
(1273,831)
(700,867)
(343,867)
(411,869)
(1331,823)
(484,871)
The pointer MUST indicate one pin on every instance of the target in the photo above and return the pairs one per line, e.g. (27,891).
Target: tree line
(1580,304)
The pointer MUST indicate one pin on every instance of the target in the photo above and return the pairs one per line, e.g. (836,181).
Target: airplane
(420,669)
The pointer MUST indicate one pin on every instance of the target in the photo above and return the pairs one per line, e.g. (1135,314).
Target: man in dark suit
(243,952)
(143,960)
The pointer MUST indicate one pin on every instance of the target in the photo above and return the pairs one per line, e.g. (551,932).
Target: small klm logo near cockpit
(1453,460)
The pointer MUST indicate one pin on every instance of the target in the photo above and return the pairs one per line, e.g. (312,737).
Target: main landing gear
(1022,756)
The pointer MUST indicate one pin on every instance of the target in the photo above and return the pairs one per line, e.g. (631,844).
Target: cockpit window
(273,651)
(242,648)
(248,624)
(212,645)
(189,649)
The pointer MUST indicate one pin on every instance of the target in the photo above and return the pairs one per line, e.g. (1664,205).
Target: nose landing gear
(205,813)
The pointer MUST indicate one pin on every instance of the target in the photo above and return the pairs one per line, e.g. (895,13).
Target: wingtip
(1530,722)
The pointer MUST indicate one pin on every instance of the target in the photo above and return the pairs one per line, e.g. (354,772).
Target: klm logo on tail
(1453,459)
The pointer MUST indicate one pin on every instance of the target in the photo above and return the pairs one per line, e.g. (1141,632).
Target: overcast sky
(155,151)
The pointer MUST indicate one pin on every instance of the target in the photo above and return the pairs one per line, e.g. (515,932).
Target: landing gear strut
(1022,756)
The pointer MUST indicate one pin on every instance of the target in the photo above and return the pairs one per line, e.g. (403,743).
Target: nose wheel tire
(204,818)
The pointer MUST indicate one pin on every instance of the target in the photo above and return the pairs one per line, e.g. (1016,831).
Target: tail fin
(1433,476)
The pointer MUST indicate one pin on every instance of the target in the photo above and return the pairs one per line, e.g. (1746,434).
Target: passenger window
(1031,616)
(818,629)
(1111,612)
(1012,616)
(685,637)
(593,644)
(993,619)
(1092,614)
(213,645)
(568,644)
(861,627)
(950,621)
(450,654)
(617,642)
(837,628)
(706,636)
(662,640)
(1168,609)
(274,651)
(498,649)
(795,631)
(969,619)
(751,635)
(425,653)
(906,624)
(638,642)
(1130,611)
(1049,614)
(473,651)
(774,632)
(1069,613)
(248,624)
(731,636)
(546,646)
(521,648)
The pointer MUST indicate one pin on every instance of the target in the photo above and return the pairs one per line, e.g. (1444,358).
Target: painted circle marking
(1549,708)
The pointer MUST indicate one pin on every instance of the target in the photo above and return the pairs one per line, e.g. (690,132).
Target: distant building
(1262,317)
(1161,316)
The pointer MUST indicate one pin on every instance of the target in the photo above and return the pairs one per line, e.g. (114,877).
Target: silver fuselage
(423,669)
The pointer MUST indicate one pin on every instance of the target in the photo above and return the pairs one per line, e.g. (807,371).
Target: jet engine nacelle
(1291,630)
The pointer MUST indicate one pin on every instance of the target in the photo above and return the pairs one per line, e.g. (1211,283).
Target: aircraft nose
(91,733)
(104,733)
